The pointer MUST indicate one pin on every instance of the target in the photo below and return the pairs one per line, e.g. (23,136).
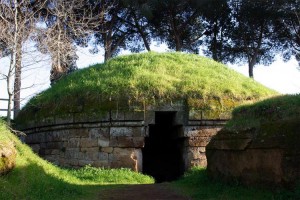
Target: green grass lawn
(35,178)
(197,185)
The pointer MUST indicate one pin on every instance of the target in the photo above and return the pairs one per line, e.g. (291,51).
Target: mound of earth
(141,81)
(260,144)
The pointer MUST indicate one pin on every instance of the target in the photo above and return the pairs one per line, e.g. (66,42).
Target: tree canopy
(235,31)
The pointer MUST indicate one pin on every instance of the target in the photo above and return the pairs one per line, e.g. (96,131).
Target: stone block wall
(114,139)
(199,134)
(254,157)
(100,145)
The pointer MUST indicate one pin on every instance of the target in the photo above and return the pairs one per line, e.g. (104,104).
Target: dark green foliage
(178,23)
(287,28)
(252,38)
(216,15)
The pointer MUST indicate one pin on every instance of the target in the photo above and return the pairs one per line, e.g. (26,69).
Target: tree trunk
(17,83)
(13,63)
(253,59)
(251,66)
(107,50)
(145,41)
(178,44)
(215,43)
(8,86)
(141,32)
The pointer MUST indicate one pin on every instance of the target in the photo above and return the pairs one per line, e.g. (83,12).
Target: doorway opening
(164,148)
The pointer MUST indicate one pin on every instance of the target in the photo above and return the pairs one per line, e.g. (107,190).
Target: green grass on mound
(147,77)
(35,178)
(277,110)
(197,185)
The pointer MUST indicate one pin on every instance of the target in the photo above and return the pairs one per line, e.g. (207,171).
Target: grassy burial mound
(276,111)
(260,144)
(141,80)
(35,178)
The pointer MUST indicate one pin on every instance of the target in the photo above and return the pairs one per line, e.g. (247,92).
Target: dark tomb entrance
(163,151)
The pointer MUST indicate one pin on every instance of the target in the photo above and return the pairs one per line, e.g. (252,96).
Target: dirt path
(142,192)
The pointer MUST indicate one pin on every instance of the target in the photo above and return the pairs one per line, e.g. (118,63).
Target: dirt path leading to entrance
(160,191)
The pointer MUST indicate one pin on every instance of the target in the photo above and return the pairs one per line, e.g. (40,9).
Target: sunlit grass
(35,178)
(143,77)
(276,109)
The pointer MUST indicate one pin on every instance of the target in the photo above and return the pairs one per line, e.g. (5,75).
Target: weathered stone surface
(54,145)
(92,155)
(83,163)
(73,143)
(200,131)
(99,133)
(79,133)
(196,157)
(198,163)
(7,157)
(57,136)
(254,157)
(233,144)
(106,149)
(121,131)
(122,141)
(71,162)
(249,166)
(102,163)
(87,142)
(198,141)
(52,151)
(35,138)
(72,153)
(89,149)
(111,142)
(127,131)
(103,142)
(128,159)
(103,156)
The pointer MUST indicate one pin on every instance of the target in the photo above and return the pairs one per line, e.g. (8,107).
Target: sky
(283,77)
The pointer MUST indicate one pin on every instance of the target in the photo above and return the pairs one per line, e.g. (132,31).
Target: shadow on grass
(197,184)
(32,182)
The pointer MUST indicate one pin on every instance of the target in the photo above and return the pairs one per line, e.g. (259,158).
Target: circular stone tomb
(150,112)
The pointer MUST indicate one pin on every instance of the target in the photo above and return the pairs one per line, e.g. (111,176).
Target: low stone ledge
(203,131)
